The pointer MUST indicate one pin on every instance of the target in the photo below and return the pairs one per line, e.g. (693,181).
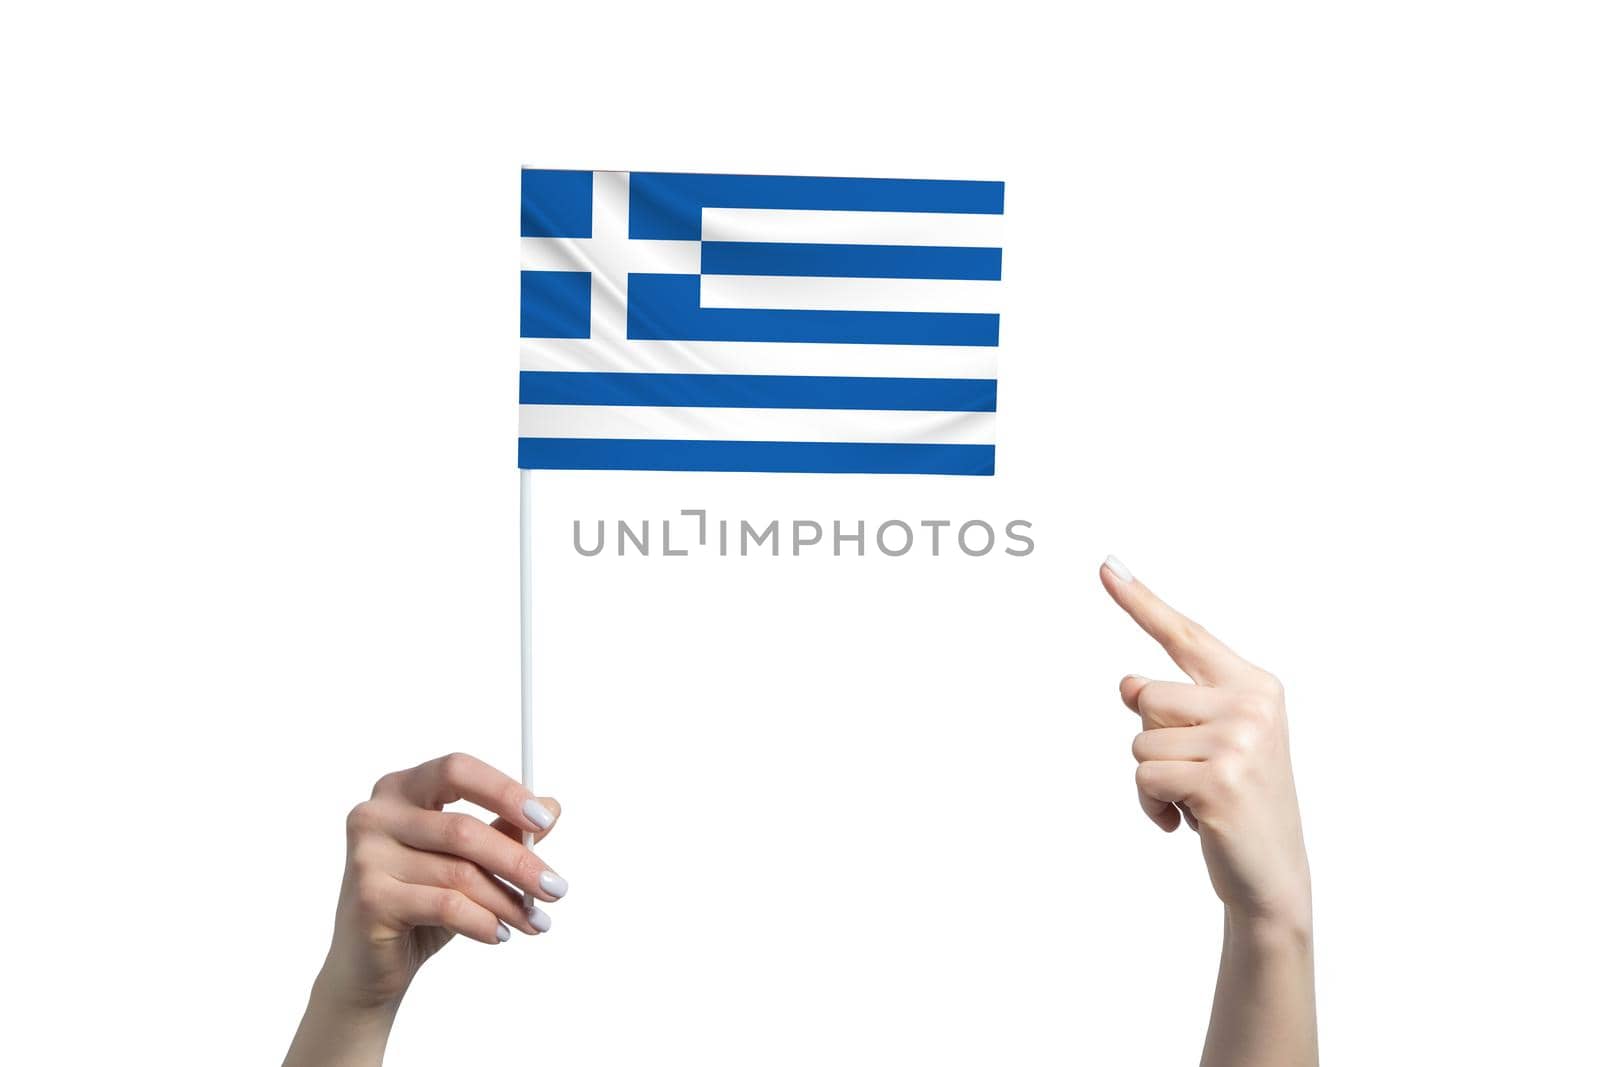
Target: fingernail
(553,883)
(1119,569)
(538,814)
(503,932)
(536,916)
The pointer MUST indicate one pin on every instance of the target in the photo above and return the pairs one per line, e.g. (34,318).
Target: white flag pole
(525,531)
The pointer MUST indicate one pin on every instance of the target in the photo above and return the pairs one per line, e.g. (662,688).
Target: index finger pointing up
(1200,656)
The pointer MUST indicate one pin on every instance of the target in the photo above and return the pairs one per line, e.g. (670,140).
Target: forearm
(335,1034)
(1264,1013)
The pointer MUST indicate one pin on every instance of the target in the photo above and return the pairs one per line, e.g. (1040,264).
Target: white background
(1301,323)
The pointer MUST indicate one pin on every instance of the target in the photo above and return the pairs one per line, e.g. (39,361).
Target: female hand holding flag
(415,876)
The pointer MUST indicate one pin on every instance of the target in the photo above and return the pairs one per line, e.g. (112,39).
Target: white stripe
(757,357)
(756,424)
(849,227)
(643,257)
(849,294)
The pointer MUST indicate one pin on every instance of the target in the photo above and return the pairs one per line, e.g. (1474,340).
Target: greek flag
(720,322)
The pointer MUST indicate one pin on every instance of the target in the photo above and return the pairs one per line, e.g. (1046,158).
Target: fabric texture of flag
(758,323)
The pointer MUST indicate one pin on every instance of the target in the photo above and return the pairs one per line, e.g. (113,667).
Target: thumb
(1130,688)
(1160,812)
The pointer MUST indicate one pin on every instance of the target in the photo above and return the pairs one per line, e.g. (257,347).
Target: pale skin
(1215,754)
(1212,753)
(415,877)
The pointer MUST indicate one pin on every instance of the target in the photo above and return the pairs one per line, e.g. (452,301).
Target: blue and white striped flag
(758,323)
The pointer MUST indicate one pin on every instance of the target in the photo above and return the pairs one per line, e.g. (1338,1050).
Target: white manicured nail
(553,883)
(503,932)
(538,814)
(1119,569)
(536,916)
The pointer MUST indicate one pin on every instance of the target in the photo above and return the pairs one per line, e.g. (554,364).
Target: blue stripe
(758,391)
(849,261)
(666,307)
(592,453)
(668,206)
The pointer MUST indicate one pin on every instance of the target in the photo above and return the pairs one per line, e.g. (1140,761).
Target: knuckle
(1227,776)
(362,858)
(1239,736)
(1187,634)
(455,767)
(450,907)
(369,893)
(361,820)
(459,874)
(1141,746)
(1144,777)
(1257,707)
(456,832)
(389,783)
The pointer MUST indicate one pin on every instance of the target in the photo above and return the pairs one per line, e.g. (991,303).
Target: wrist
(337,1029)
(333,996)
(1275,909)
(1282,929)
